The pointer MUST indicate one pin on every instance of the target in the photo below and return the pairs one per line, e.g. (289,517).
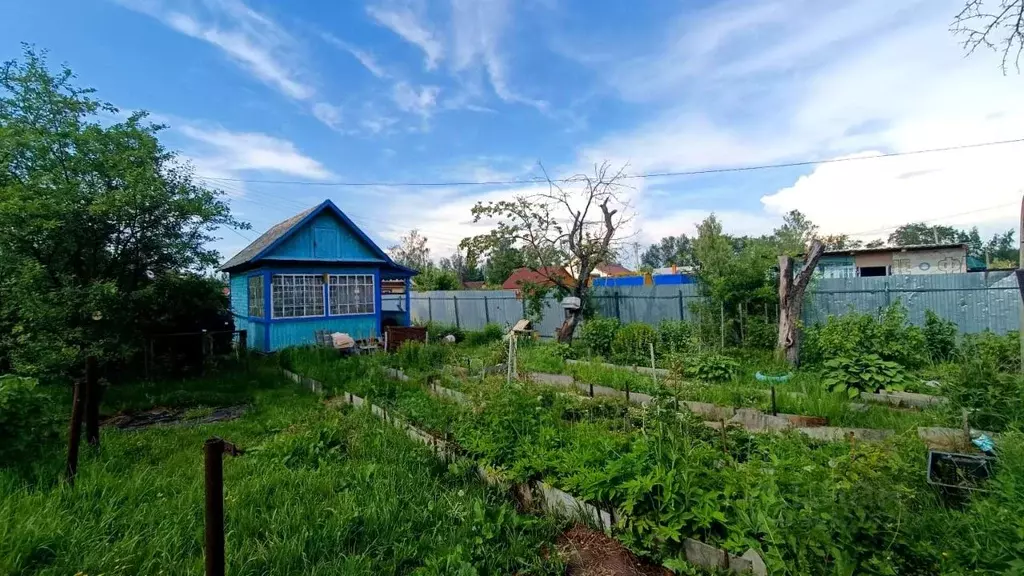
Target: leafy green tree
(840,242)
(502,260)
(412,251)
(434,278)
(669,251)
(572,226)
(795,234)
(90,213)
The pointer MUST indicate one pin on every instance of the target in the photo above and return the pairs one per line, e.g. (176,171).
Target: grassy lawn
(317,492)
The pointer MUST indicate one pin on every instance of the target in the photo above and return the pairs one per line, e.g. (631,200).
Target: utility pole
(636,255)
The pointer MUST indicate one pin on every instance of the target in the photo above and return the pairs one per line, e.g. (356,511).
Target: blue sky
(405,90)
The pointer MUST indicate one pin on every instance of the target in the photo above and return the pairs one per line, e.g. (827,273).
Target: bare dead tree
(791,301)
(994,24)
(563,233)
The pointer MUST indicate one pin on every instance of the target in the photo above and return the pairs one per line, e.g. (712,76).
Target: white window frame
(323,296)
(334,281)
(260,301)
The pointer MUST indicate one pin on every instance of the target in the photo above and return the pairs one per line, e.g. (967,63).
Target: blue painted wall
(300,332)
(324,238)
(239,297)
(269,334)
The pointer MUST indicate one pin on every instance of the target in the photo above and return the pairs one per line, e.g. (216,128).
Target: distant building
(316,271)
(473,285)
(894,261)
(521,276)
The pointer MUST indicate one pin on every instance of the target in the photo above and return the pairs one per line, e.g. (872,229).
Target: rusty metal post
(775,411)
(74,434)
(213,451)
(92,402)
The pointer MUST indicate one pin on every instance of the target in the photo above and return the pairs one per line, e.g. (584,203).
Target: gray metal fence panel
(975,301)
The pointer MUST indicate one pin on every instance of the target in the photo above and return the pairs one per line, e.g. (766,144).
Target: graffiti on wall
(929,262)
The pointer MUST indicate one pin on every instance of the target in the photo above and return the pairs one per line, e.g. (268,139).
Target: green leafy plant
(707,367)
(863,373)
(674,336)
(939,336)
(1001,351)
(888,335)
(436,331)
(597,335)
(632,344)
(27,418)
(491,333)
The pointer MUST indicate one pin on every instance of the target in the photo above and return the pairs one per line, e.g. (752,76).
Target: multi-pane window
(256,296)
(297,295)
(351,294)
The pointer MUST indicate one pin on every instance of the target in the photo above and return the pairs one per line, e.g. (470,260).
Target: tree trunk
(568,327)
(791,302)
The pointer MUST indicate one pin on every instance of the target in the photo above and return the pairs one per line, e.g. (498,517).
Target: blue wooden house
(314,271)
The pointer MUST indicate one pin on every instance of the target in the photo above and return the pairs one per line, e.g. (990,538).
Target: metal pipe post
(213,451)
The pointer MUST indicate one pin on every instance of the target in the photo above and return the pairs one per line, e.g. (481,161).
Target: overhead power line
(538,180)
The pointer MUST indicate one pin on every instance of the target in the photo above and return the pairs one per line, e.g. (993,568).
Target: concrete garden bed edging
(543,496)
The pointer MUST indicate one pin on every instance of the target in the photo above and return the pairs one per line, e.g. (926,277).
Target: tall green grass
(317,492)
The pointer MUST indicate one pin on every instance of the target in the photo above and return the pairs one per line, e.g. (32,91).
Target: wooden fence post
(92,402)
(74,434)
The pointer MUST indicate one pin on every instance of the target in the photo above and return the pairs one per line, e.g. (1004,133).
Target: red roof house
(521,276)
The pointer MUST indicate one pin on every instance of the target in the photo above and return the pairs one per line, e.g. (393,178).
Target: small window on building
(256,296)
(351,294)
(874,271)
(297,295)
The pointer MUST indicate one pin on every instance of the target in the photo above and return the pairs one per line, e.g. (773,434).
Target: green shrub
(939,336)
(27,419)
(597,335)
(862,373)
(438,330)
(889,336)
(994,398)
(674,336)
(1002,351)
(707,367)
(412,355)
(632,344)
(491,333)
(760,334)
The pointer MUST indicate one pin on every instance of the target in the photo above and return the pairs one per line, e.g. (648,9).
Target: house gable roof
(283,230)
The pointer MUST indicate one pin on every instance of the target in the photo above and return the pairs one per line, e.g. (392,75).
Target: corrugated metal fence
(975,301)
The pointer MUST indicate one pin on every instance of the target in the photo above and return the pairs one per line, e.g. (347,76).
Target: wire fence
(975,302)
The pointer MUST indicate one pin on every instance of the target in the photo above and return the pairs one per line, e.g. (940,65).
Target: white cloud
(405,23)
(653,228)
(739,88)
(217,152)
(421,102)
(478,28)
(368,60)
(329,114)
(250,39)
